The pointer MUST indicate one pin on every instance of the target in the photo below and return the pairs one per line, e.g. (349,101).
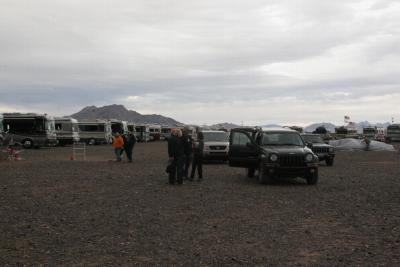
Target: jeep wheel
(329,161)
(312,178)
(263,177)
(250,172)
(27,143)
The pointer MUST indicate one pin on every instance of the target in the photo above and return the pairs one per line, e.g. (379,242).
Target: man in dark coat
(188,149)
(130,141)
(176,156)
(198,157)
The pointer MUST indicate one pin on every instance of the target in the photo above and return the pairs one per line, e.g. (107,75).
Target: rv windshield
(282,139)
(50,125)
(216,137)
(315,139)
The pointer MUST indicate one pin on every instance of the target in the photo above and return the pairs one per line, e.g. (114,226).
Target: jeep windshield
(282,139)
(216,137)
(314,139)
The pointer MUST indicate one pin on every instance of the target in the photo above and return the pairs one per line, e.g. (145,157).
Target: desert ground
(59,212)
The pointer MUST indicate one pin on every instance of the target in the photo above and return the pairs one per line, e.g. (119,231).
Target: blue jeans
(118,152)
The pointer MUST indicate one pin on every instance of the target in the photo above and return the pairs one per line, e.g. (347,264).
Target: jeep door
(243,152)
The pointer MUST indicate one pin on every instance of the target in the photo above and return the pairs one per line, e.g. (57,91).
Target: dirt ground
(54,211)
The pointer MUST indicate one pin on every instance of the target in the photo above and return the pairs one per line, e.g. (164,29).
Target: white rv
(67,130)
(1,130)
(95,132)
(118,126)
(155,132)
(30,129)
(142,133)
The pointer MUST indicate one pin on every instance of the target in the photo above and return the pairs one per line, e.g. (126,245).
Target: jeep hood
(286,149)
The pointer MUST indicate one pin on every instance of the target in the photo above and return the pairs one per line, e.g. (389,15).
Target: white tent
(357,144)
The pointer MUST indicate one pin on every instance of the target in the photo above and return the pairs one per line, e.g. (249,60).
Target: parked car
(274,152)
(324,151)
(216,144)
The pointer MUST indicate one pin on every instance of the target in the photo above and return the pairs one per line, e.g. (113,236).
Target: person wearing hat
(118,145)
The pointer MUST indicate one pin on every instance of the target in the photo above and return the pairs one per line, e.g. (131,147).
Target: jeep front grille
(320,149)
(291,160)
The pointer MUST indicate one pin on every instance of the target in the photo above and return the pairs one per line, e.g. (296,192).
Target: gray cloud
(204,61)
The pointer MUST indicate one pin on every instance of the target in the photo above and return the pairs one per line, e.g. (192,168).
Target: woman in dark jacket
(198,157)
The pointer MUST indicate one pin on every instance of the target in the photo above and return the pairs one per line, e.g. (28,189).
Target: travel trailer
(67,130)
(393,133)
(95,132)
(155,132)
(30,129)
(142,133)
(131,127)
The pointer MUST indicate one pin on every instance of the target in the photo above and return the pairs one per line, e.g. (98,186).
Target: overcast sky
(208,61)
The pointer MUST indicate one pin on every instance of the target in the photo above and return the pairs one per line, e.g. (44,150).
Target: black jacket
(198,148)
(187,144)
(175,147)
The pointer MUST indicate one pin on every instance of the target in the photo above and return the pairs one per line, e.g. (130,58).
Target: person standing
(176,156)
(198,157)
(118,144)
(188,149)
(129,143)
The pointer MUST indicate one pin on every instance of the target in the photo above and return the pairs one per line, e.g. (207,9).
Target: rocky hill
(121,113)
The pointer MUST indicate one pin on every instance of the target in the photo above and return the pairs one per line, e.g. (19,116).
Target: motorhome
(393,133)
(95,132)
(118,126)
(30,129)
(131,127)
(166,132)
(1,130)
(155,132)
(369,132)
(67,130)
(142,133)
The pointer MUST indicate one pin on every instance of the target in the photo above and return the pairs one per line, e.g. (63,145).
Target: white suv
(216,145)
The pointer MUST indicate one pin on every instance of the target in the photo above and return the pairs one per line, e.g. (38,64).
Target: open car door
(243,151)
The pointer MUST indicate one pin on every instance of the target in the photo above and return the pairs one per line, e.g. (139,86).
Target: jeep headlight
(273,157)
(309,157)
(331,150)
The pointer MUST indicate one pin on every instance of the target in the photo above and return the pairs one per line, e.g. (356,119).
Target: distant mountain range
(119,112)
(331,127)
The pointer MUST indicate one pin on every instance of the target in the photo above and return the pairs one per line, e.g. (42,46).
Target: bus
(67,130)
(30,129)
(95,132)
(393,133)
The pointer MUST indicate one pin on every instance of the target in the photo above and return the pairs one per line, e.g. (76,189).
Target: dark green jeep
(274,153)
(320,148)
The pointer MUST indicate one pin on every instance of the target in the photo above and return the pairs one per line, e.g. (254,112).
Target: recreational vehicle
(142,133)
(393,133)
(67,130)
(118,126)
(369,132)
(95,132)
(165,132)
(1,130)
(30,129)
(131,127)
(155,132)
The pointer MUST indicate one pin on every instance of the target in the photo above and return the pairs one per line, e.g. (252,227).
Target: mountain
(121,113)
(329,126)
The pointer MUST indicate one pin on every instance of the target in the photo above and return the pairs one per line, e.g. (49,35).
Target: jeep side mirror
(309,144)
